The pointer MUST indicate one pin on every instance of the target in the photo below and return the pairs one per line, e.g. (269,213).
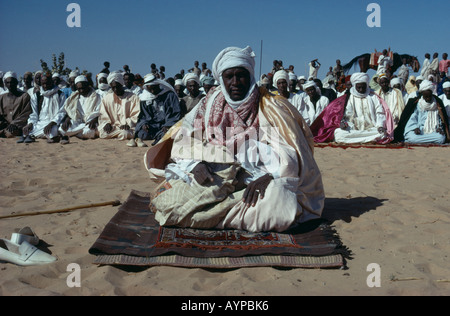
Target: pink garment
(224,117)
(443,65)
(330,119)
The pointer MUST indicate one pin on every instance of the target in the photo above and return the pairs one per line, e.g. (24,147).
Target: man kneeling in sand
(225,181)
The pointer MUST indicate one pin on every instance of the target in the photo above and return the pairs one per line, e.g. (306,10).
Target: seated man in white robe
(119,110)
(364,119)
(82,110)
(242,159)
(311,103)
(392,96)
(46,105)
(429,123)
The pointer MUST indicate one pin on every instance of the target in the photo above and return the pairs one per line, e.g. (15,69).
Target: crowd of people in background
(387,107)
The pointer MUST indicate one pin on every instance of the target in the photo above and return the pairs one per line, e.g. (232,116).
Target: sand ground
(389,206)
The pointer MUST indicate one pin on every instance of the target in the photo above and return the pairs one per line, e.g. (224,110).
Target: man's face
(103,80)
(128,79)
(28,79)
(447,93)
(179,89)
(193,88)
(117,88)
(47,83)
(292,85)
(37,79)
(427,95)
(282,86)
(237,82)
(11,84)
(361,87)
(311,92)
(153,89)
(83,88)
(384,83)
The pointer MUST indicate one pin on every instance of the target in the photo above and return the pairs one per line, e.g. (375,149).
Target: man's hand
(255,189)
(417,131)
(94,123)
(108,128)
(344,125)
(202,174)
(27,129)
(12,128)
(67,124)
(125,127)
(48,128)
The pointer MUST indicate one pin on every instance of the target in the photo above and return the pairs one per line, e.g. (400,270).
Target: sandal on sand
(25,234)
(24,254)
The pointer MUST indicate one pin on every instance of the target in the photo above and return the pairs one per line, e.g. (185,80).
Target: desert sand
(389,206)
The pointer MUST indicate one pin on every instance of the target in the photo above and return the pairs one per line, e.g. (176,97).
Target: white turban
(232,57)
(280,74)
(446,85)
(151,80)
(292,76)
(395,81)
(309,84)
(115,76)
(102,75)
(179,82)
(80,79)
(74,74)
(189,77)
(420,78)
(359,77)
(426,85)
(301,78)
(9,74)
(55,75)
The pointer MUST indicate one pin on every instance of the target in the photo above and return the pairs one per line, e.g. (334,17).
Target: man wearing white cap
(364,119)
(15,107)
(81,112)
(119,110)
(103,87)
(192,83)
(224,182)
(393,97)
(311,103)
(71,88)
(46,105)
(160,110)
(281,83)
(429,122)
(179,89)
(300,81)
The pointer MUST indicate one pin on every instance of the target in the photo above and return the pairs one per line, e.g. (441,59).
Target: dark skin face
(283,87)
(312,93)
(193,88)
(237,82)
(47,83)
(179,90)
(128,79)
(427,96)
(37,79)
(28,80)
(83,88)
(117,88)
(384,83)
(11,84)
(155,89)
(361,87)
(447,93)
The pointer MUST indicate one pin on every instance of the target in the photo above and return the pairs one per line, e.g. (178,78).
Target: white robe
(87,113)
(425,68)
(306,108)
(364,116)
(50,112)
(447,105)
(395,101)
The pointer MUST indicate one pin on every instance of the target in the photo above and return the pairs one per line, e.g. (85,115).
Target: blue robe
(164,111)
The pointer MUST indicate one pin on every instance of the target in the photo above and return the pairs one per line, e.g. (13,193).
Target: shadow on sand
(346,208)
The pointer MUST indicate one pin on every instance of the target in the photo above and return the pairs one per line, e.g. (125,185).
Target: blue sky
(175,33)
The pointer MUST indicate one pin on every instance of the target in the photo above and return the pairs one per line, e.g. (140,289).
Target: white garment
(383,63)
(403,73)
(425,68)
(394,100)
(135,89)
(303,104)
(52,103)
(104,92)
(446,105)
(313,71)
(364,116)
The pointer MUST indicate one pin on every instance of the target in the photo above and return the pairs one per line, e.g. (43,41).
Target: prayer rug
(377,146)
(134,238)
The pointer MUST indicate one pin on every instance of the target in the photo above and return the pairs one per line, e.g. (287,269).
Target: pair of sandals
(21,249)
(26,139)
